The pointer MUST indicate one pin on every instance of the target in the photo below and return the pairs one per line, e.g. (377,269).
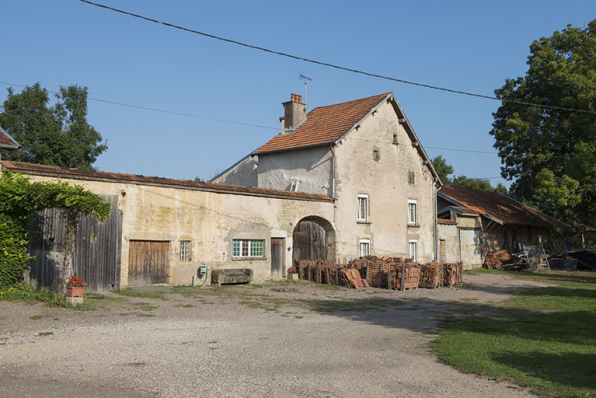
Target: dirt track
(281,340)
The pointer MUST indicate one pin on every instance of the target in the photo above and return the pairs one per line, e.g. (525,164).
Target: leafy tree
(550,154)
(478,183)
(19,199)
(443,169)
(58,134)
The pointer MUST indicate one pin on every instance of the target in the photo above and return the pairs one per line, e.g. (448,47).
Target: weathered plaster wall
(465,221)
(209,220)
(450,234)
(386,182)
(310,168)
(242,173)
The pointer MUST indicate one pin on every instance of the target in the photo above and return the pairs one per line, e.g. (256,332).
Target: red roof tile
(500,207)
(324,125)
(65,172)
(6,142)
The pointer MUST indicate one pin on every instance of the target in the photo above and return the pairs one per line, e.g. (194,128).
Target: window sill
(414,225)
(363,222)
(248,258)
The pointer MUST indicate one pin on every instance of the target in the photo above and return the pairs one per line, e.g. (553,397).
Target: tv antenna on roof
(306,80)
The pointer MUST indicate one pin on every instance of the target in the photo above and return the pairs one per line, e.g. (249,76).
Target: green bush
(13,251)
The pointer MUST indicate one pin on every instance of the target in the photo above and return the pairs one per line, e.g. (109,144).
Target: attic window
(395,141)
(376,155)
(411,178)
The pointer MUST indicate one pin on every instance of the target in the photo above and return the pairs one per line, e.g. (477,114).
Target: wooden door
(310,241)
(148,262)
(277,258)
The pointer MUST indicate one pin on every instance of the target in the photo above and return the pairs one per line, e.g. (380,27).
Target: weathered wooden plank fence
(97,250)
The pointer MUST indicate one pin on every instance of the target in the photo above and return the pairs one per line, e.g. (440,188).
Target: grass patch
(542,338)
(45,333)
(128,292)
(36,317)
(27,295)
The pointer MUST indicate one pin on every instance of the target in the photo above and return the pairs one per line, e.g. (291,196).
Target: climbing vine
(20,199)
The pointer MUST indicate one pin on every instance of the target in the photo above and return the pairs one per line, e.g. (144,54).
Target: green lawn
(543,338)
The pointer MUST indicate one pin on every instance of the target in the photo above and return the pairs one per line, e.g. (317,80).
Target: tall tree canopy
(550,154)
(444,170)
(57,134)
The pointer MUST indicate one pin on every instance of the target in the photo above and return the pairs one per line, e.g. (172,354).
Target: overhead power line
(157,110)
(460,150)
(219,120)
(296,57)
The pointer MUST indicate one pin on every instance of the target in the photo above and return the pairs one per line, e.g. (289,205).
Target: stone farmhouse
(367,157)
(346,180)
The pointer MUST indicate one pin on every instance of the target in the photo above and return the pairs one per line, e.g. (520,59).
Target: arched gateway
(313,238)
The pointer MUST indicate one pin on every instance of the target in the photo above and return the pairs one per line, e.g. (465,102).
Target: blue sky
(465,45)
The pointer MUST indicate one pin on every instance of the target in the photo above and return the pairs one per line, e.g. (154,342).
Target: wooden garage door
(310,240)
(148,262)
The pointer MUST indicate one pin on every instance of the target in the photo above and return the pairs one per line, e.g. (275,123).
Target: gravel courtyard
(271,340)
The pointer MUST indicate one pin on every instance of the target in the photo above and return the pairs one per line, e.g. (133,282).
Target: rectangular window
(411,178)
(412,212)
(185,250)
(248,248)
(362,207)
(413,250)
(364,247)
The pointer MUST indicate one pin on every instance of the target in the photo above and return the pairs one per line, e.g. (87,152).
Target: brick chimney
(295,113)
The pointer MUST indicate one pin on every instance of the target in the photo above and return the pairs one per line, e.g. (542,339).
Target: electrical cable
(333,65)
(157,110)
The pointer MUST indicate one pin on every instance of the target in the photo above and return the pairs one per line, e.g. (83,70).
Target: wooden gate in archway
(309,240)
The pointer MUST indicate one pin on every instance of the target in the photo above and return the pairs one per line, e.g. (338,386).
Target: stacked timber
(409,274)
(431,275)
(452,274)
(318,271)
(495,259)
(351,277)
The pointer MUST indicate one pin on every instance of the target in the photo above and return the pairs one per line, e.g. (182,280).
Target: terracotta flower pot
(75,291)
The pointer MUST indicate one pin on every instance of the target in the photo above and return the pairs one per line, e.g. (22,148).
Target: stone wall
(210,220)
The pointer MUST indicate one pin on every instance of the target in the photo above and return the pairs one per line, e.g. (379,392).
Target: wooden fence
(97,250)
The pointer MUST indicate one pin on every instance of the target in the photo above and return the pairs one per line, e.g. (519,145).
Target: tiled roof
(498,206)
(94,175)
(324,125)
(6,141)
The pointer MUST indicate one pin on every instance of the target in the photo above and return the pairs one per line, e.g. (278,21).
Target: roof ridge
(354,100)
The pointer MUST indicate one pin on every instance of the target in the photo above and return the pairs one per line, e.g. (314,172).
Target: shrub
(13,251)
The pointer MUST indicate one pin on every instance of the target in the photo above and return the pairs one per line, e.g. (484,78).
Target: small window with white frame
(185,251)
(363,208)
(413,249)
(412,212)
(248,248)
(364,247)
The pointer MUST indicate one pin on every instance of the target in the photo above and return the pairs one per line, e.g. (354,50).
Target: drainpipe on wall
(437,225)
(334,199)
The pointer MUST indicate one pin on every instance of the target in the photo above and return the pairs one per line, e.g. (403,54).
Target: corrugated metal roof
(501,207)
